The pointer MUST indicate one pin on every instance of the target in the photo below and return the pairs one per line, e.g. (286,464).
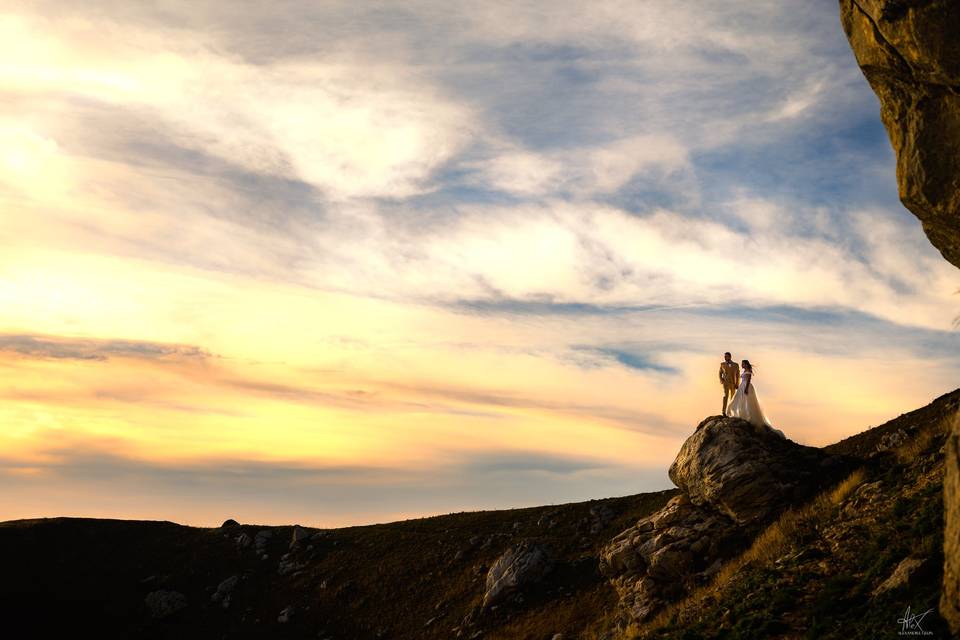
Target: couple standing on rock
(743,403)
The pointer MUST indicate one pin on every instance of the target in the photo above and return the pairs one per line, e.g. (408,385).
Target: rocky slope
(598,569)
(847,565)
(733,480)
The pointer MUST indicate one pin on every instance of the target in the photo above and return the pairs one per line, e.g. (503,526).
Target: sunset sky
(338,263)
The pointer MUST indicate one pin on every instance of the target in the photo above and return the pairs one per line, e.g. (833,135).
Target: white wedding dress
(747,405)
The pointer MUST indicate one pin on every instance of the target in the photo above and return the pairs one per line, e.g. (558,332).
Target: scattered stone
(891,440)
(164,603)
(289,565)
(244,541)
(601,516)
(224,591)
(286,614)
(869,488)
(906,573)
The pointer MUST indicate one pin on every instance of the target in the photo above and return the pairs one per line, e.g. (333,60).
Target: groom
(729,378)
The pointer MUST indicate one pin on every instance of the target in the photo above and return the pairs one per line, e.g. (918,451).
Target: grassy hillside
(410,579)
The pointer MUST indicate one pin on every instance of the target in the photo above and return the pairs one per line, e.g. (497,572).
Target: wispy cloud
(630,358)
(96,349)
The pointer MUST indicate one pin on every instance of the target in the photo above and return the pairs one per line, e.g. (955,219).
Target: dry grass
(920,443)
(771,544)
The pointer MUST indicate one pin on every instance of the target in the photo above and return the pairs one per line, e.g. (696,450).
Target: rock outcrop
(666,553)
(909,52)
(735,478)
(950,595)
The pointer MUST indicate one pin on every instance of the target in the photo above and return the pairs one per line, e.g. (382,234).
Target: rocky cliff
(909,51)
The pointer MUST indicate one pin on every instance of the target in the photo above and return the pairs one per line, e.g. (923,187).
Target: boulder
(746,473)
(950,593)
(164,603)
(519,566)
(908,572)
(910,54)
(300,536)
(243,541)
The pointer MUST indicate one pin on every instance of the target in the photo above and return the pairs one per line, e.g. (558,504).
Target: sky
(336,263)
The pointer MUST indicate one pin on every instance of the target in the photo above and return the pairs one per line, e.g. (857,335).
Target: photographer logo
(911,623)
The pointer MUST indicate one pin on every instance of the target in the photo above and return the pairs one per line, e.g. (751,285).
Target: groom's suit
(730,379)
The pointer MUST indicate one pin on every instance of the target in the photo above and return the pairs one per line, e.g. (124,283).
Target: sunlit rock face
(909,50)
(744,472)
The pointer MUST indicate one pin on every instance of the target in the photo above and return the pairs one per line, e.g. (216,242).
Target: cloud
(592,254)
(585,172)
(621,417)
(60,347)
(626,357)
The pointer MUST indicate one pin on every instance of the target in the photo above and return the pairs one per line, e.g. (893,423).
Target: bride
(745,404)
